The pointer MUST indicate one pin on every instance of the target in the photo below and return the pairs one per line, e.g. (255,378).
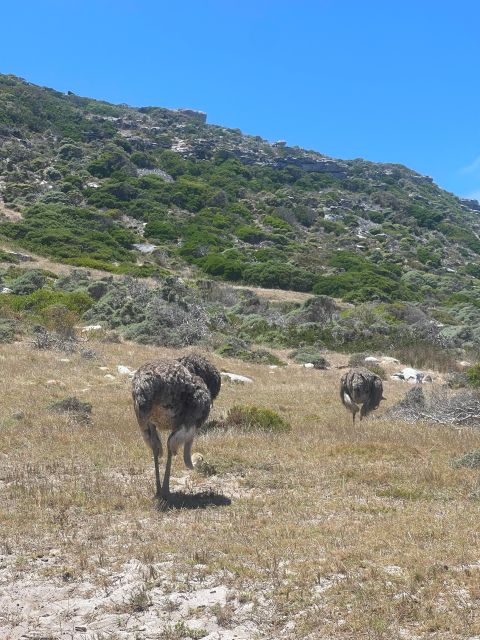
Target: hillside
(153,192)
(131,234)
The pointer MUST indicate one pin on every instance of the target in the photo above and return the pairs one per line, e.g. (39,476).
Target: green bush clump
(473,375)
(72,233)
(8,330)
(377,370)
(28,282)
(312,354)
(252,418)
(236,348)
(358,360)
(471,460)
(76,301)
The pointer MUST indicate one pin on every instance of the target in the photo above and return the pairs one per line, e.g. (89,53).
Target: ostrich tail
(348,402)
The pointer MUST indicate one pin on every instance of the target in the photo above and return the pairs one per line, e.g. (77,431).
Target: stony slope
(152,191)
(236,206)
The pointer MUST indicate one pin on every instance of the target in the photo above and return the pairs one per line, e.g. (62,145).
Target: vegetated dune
(325,531)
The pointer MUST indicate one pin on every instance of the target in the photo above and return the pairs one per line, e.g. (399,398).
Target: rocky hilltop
(154,191)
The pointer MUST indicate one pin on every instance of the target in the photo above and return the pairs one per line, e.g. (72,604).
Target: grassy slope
(333,532)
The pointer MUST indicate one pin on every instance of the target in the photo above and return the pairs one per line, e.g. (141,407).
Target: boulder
(91,327)
(409,375)
(235,377)
(125,371)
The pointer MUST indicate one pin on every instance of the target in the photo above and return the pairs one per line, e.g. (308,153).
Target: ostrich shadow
(180,500)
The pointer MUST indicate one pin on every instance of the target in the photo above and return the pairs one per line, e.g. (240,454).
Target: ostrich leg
(166,477)
(158,484)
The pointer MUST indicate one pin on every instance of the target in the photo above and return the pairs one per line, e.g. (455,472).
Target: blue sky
(386,80)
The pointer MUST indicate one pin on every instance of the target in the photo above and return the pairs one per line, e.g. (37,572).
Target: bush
(252,418)
(456,380)
(303,355)
(8,330)
(358,360)
(76,301)
(46,340)
(452,408)
(28,282)
(236,348)
(471,460)
(377,370)
(60,319)
(473,375)
(79,411)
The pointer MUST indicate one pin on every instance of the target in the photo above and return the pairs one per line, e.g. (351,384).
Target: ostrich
(173,396)
(363,387)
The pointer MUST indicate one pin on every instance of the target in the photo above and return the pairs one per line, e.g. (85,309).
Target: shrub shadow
(182,500)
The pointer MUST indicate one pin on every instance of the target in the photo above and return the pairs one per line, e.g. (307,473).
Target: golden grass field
(332,531)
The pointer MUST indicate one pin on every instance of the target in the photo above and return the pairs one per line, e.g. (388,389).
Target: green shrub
(252,418)
(304,355)
(377,370)
(236,348)
(28,282)
(60,318)
(76,301)
(357,360)
(473,375)
(8,330)
(471,460)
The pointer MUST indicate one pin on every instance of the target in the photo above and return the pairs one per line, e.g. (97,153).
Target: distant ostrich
(363,387)
(173,396)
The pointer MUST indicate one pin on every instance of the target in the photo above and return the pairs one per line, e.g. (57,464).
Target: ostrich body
(173,396)
(361,386)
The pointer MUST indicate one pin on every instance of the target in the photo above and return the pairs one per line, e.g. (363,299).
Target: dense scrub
(236,322)
(93,180)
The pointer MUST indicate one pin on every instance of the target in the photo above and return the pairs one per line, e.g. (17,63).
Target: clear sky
(386,80)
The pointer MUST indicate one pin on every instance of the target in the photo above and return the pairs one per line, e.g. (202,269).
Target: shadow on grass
(203,500)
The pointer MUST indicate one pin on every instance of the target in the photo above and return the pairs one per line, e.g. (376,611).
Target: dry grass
(9,214)
(332,532)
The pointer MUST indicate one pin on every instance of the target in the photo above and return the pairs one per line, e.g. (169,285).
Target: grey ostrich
(173,396)
(361,386)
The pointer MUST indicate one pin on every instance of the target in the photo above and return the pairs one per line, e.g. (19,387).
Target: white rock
(145,247)
(235,377)
(109,376)
(197,460)
(412,374)
(390,360)
(6,290)
(393,570)
(273,366)
(64,360)
(465,363)
(372,359)
(125,371)
(308,365)
(91,327)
